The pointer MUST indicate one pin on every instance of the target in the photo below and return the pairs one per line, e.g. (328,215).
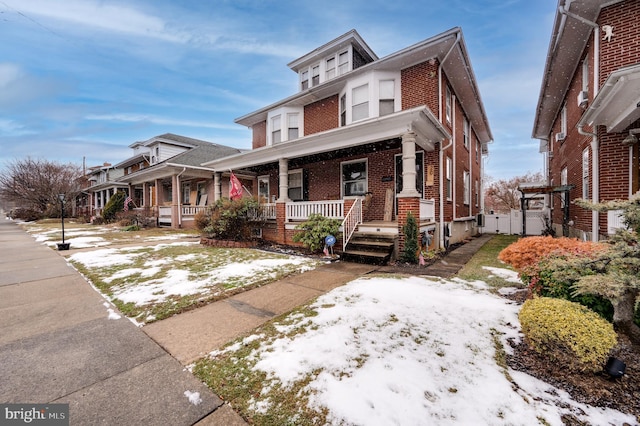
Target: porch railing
(192,210)
(428,210)
(268,210)
(164,214)
(351,222)
(300,210)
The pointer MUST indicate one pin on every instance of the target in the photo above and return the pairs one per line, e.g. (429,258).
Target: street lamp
(63,245)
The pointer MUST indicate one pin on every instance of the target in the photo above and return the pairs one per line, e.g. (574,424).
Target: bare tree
(35,184)
(502,195)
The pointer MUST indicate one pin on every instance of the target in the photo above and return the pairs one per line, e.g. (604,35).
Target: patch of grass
(230,374)
(488,256)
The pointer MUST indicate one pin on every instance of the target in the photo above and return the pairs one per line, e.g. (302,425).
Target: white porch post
(217,185)
(409,166)
(283,181)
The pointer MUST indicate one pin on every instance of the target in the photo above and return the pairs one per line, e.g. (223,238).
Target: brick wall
(419,85)
(624,47)
(259,134)
(321,115)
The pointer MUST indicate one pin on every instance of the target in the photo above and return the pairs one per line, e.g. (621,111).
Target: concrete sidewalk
(58,345)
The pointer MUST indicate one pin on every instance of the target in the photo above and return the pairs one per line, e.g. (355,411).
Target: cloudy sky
(87,78)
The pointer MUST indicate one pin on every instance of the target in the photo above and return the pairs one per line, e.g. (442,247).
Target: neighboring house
(367,140)
(165,174)
(588,112)
(102,185)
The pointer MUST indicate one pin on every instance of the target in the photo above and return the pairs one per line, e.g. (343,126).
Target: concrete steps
(372,248)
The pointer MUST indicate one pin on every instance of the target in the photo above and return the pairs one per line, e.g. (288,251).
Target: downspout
(595,178)
(442,148)
(179,194)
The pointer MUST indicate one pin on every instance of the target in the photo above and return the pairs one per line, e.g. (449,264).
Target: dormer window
(292,126)
(360,102)
(315,75)
(276,130)
(331,68)
(304,80)
(387,97)
(343,62)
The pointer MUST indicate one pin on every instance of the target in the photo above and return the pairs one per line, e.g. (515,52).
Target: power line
(30,19)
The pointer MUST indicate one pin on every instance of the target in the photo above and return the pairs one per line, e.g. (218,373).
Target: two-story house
(165,175)
(588,112)
(102,184)
(367,140)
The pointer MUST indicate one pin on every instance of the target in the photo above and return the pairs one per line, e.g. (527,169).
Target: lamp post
(63,245)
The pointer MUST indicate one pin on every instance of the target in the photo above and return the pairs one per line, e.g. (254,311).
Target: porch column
(283,199)
(409,166)
(283,180)
(175,197)
(131,191)
(217,186)
(159,192)
(409,197)
(145,194)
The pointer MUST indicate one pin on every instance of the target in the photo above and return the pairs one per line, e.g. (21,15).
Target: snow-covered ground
(411,351)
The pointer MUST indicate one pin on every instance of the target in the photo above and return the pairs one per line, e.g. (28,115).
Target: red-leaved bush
(526,254)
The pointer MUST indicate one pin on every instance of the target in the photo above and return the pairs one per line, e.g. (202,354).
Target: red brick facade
(618,177)
(321,115)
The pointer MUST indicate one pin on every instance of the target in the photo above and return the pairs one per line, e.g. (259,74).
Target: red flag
(235,187)
(126,203)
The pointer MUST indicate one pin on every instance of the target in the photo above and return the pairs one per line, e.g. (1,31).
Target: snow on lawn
(153,278)
(410,351)
(506,274)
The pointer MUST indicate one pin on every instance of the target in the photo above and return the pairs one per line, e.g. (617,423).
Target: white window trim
(466,133)
(366,179)
(563,120)
(448,179)
(284,113)
(585,173)
(323,70)
(466,187)
(373,79)
(294,172)
(447,104)
(265,178)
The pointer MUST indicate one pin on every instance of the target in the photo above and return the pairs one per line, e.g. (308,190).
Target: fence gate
(512,223)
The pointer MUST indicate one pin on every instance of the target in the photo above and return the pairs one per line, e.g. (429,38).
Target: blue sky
(87,78)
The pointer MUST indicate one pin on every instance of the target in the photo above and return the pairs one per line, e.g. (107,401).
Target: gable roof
(572,28)
(199,152)
(448,48)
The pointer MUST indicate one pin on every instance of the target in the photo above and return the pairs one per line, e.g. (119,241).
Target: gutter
(595,151)
(442,148)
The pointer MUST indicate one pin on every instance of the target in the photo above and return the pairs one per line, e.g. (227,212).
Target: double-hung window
(296,185)
(343,110)
(585,173)
(276,129)
(465,132)
(304,80)
(360,103)
(315,75)
(466,189)
(331,68)
(447,103)
(292,126)
(354,178)
(343,62)
(263,189)
(448,171)
(387,97)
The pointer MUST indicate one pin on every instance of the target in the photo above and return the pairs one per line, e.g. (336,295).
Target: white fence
(512,223)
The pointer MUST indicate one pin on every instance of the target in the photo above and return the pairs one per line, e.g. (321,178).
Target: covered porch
(374,171)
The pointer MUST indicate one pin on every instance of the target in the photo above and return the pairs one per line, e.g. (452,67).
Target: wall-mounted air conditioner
(583,98)
(560,136)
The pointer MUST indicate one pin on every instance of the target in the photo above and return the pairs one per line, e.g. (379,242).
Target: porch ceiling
(617,104)
(419,120)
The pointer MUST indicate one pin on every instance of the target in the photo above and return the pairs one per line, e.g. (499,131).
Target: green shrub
(567,332)
(114,206)
(314,230)
(410,230)
(230,219)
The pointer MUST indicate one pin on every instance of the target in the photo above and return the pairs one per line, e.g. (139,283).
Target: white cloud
(135,118)
(107,17)
(9,73)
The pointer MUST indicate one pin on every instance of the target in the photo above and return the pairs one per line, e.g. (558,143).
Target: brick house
(588,111)
(102,184)
(165,175)
(367,140)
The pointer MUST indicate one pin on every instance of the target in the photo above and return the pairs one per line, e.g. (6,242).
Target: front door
(419,175)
